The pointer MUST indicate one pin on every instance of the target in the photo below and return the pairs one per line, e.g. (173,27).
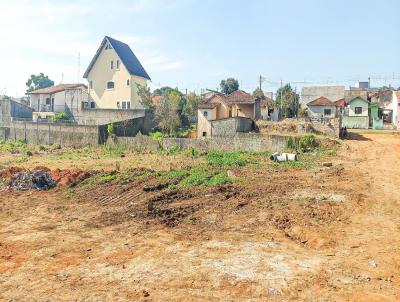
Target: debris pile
(37,180)
(69,177)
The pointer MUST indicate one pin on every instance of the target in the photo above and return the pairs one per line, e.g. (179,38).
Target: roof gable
(358,98)
(321,101)
(126,55)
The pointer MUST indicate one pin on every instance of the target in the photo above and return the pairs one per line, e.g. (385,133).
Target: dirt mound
(38,180)
(69,177)
(10,172)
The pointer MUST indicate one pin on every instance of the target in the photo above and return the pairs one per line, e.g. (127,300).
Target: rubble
(37,180)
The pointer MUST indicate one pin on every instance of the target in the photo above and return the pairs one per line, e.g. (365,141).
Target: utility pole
(79,65)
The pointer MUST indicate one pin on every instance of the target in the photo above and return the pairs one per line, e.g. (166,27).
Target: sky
(193,44)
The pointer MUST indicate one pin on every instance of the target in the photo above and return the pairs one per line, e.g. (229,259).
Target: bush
(303,143)
(226,159)
(61,116)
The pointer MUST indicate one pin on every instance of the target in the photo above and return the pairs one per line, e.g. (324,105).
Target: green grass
(302,143)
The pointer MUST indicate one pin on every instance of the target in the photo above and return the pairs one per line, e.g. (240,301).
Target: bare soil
(319,234)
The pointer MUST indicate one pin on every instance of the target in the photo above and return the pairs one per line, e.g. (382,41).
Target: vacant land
(182,225)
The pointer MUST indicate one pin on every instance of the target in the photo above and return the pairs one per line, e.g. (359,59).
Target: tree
(258,93)
(145,96)
(288,100)
(38,82)
(164,91)
(167,116)
(189,110)
(229,85)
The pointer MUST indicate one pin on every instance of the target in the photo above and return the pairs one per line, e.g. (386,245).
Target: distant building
(310,93)
(322,107)
(59,98)
(113,76)
(224,115)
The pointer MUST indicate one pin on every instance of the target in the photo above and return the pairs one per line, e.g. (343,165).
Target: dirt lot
(277,233)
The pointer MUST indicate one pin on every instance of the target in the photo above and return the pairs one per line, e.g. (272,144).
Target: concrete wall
(49,134)
(355,122)
(241,142)
(106,116)
(229,127)
(13,110)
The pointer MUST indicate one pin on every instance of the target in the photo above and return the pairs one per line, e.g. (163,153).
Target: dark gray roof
(126,55)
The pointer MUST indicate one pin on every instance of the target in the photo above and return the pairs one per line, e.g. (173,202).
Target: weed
(227,159)
(302,143)
(114,150)
(173,150)
(203,177)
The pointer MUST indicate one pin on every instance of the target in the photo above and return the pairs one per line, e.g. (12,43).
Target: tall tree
(229,85)
(258,93)
(288,100)
(145,96)
(189,110)
(167,116)
(38,81)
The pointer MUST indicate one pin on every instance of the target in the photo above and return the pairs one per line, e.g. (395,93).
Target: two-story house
(113,76)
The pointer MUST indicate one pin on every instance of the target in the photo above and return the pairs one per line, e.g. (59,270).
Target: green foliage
(229,85)
(302,143)
(288,99)
(189,110)
(203,177)
(95,180)
(258,93)
(156,135)
(115,150)
(173,150)
(227,159)
(145,96)
(38,82)
(60,116)
(165,91)
(110,129)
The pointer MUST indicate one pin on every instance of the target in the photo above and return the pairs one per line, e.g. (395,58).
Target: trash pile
(37,180)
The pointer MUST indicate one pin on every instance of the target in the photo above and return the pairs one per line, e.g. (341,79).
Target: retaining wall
(355,122)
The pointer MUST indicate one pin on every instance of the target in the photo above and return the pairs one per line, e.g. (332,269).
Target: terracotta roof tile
(57,88)
(321,101)
(239,97)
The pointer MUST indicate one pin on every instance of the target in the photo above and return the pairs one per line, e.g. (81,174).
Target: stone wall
(106,116)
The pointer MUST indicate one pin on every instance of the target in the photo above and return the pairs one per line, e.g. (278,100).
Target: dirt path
(372,240)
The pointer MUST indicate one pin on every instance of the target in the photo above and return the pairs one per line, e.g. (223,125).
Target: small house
(396,108)
(322,107)
(356,114)
(224,115)
(59,98)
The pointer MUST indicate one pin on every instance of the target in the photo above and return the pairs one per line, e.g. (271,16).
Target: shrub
(226,159)
(303,143)
(61,116)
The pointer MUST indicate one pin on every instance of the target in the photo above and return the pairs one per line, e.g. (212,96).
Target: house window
(126,105)
(112,64)
(358,110)
(117,64)
(110,85)
(204,134)
(327,111)
(205,113)
(91,84)
(127,82)
(92,105)
(118,105)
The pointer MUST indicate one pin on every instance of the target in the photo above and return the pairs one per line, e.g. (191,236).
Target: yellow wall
(101,73)
(203,124)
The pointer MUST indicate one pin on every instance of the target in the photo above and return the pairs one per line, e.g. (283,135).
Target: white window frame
(117,67)
(126,105)
(128,82)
